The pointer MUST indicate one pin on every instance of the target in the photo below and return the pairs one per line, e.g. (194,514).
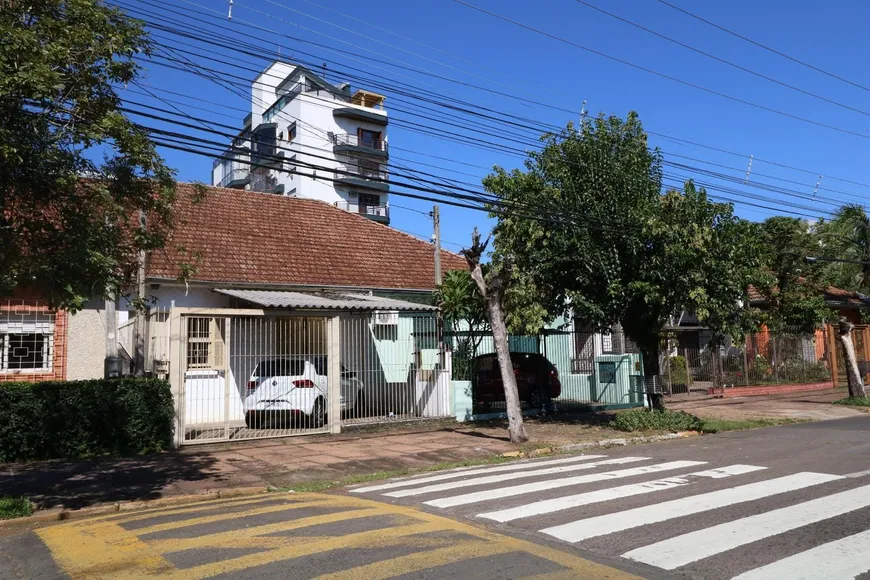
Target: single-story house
(266,275)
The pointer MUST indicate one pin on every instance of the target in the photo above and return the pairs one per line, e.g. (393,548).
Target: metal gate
(253,377)
(393,368)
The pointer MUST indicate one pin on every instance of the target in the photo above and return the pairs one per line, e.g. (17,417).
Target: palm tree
(847,236)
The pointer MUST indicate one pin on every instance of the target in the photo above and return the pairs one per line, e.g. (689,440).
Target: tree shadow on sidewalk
(77,484)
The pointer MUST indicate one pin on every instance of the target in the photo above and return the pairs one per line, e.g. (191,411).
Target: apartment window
(369,138)
(367,167)
(26,342)
(291,132)
(369,200)
(292,166)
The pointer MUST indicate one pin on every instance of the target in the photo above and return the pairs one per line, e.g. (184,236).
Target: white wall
(86,344)
(263,89)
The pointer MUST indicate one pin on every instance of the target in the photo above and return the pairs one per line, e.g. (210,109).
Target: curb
(63,514)
(620,442)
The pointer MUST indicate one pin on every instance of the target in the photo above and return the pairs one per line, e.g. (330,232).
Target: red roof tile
(246,237)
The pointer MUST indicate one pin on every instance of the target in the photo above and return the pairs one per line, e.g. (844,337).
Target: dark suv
(537,379)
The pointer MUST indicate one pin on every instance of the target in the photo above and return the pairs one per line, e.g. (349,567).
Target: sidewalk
(293,460)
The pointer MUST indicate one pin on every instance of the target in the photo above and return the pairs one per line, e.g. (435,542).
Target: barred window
(26,341)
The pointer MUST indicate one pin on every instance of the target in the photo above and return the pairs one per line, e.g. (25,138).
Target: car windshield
(280,368)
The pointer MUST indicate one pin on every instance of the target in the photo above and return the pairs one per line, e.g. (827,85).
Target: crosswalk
(686,516)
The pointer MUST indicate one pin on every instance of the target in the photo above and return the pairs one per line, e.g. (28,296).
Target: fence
(593,370)
(253,374)
(691,362)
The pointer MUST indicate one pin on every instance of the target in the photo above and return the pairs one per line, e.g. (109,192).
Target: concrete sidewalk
(289,461)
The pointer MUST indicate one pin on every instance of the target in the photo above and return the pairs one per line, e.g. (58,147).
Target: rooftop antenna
(583,111)
(324,71)
(230,11)
(748,171)
(816,189)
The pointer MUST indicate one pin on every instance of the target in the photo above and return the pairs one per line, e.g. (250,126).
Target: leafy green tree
(616,250)
(69,223)
(464,309)
(847,236)
(599,186)
(792,289)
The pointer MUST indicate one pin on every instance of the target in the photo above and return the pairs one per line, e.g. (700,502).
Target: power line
(722,60)
(542,104)
(764,46)
(659,74)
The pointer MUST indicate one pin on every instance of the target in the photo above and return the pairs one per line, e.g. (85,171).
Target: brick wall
(20,309)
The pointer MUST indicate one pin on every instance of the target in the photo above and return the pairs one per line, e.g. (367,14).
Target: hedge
(75,419)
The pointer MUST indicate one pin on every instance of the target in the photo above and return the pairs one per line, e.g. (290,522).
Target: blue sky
(475,48)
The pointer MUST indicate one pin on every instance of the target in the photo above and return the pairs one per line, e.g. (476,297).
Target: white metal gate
(253,377)
(393,368)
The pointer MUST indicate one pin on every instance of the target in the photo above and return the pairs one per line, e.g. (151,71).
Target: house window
(369,138)
(198,342)
(205,343)
(27,342)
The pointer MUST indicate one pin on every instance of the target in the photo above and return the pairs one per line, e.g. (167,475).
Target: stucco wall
(86,344)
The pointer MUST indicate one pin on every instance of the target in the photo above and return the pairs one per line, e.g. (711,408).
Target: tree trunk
(516,428)
(853,374)
(493,293)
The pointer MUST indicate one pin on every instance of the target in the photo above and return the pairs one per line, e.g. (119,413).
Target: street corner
(313,535)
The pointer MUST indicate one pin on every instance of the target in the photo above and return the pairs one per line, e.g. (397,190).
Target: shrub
(69,419)
(679,370)
(647,420)
(14,507)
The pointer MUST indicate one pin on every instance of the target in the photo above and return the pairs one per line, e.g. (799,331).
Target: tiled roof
(245,237)
(832,294)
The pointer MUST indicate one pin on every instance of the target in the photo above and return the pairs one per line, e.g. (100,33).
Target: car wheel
(536,401)
(359,408)
(318,414)
(249,420)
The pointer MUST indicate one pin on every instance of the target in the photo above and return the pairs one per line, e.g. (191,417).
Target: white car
(296,387)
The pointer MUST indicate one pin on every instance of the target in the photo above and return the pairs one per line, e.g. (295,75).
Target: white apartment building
(308,138)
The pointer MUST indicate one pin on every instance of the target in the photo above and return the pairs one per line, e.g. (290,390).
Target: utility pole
(436,238)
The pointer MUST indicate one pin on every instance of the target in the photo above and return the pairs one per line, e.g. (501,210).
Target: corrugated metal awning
(323,301)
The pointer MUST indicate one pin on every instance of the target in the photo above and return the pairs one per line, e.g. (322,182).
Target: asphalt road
(782,503)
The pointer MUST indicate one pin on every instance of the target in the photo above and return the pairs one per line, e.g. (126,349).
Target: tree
(464,309)
(853,374)
(69,224)
(492,286)
(614,249)
(791,287)
(847,237)
(595,187)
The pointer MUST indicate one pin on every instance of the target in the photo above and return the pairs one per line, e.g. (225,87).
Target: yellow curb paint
(419,561)
(230,538)
(100,548)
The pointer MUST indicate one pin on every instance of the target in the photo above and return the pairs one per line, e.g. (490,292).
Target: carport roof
(331,301)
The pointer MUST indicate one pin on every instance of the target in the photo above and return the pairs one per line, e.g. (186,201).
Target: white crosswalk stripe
(478,471)
(509,476)
(625,520)
(561,503)
(840,560)
(679,551)
(515,490)
(848,557)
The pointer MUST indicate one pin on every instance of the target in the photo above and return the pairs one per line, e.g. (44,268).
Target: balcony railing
(360,171)
(265,183)
(374,211)
(355,141)
(237,175)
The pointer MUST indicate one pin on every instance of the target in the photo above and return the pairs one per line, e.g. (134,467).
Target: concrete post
(333,403)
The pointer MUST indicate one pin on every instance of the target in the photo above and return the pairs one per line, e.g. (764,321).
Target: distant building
(311,139)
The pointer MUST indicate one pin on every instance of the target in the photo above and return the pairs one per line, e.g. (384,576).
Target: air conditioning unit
(386,317)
